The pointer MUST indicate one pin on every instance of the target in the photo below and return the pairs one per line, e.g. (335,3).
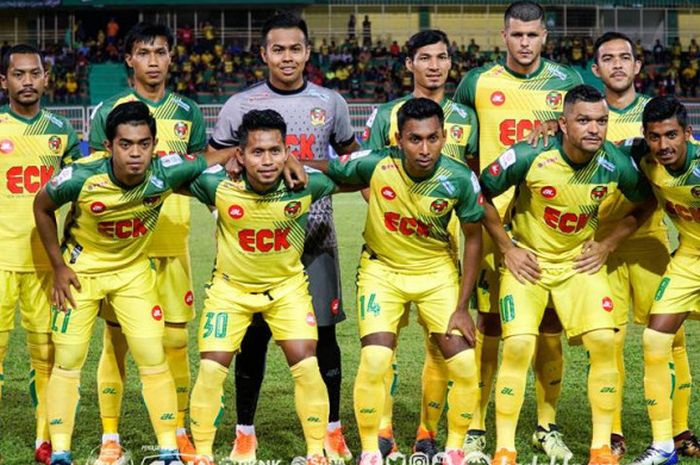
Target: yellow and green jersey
(110,225)
(31,152)
(460,124)
(679,195)
(557,200)
(180,129)
(260,237)
(407,220)
(509,105)
(626,124)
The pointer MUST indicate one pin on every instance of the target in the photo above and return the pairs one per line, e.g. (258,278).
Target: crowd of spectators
(205,69)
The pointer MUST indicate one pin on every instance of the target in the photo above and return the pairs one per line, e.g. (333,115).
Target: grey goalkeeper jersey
(316,117)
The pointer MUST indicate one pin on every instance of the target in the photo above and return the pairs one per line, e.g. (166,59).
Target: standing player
(180,130)
(429,61)
(407,258)
(260,237)
(635,269)
(116,203)
(511,98)
(33,145)
(551,256)
(316,119)
(672,165)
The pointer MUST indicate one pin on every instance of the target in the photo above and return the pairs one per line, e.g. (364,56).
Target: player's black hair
(284,20)
(583,93)
(19,49)
(609,36)
(147,33)
(420,109)
(134,113)
(423,38)
(260,120)
(663,108)
(523,10)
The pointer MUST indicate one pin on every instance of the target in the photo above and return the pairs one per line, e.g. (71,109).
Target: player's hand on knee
(63,279)
(462,321)
(522,264)
(593,257)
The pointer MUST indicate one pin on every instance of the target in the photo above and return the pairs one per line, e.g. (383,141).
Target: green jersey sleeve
(632,183)
(72,152)
(509,169)
(470,208)
(466,90)
(320,186)
(205,186)
(97,127)
(65,187)
(198,138)
(355,168)
(376,135)
(472,148)
(177,170)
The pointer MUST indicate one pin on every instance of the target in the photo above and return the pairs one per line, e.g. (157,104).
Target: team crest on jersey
(318,116)
(457,132)
(181,130)
(6,146)
(55,144)
(498,98)
(695,191)
(151,201)
(438,206)
(292,209)
(553,99)
(599,192)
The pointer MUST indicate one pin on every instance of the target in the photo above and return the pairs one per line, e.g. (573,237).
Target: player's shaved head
(260,120)
(132,113)
(419,109)
(525,11)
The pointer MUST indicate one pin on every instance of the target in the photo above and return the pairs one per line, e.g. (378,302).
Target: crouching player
(260,235)
(407,258)
(115,207)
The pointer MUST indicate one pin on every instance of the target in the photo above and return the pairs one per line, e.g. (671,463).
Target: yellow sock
(368,394)
(311,401)
(487,364)
(41,357)
(602,382)
(207,405)
(462,396)
(175,345)
(619,389)
(158,389)
(62,401)
(434,387)
(391,379)
(518,352)
(548,367)
(682,385)
(4,341)
(658,382)
(110,378)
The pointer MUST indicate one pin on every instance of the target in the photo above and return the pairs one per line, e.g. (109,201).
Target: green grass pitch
(278,430)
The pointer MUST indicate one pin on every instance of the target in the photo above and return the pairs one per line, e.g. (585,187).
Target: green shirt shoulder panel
(320,186)
(469,207)
(176,170)
(98,120)
(466,91)
(65,187)
(357,168)
(205,186)
(378,125)
(630,180)
(512,166)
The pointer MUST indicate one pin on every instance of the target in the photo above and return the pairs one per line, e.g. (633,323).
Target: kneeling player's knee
(518,350)
(462,366)
(175,337)
(600,343)
(375,361)
(657,345)
(70,356)
(147,351)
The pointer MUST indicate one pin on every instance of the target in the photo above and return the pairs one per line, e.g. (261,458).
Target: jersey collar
(21,118)
(621,111)
(569,161)
(152,103)
(520,75)
(248,187)
(287,92)
(117,182)
(425,178)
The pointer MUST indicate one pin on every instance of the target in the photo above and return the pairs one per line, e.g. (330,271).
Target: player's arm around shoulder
(205,186)
(357,168)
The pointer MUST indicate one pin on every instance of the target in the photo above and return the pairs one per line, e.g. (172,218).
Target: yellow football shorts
(33,292)
(583,302)
(634,278)
(382,295)
(132,294)
(174,287)
(228,311)
(679,289)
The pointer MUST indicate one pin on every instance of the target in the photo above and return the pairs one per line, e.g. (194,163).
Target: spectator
(659,52)
(352,22)
(185,35)
(395,50)
(366,32)
(112,31)
(693,49)
(209,33)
